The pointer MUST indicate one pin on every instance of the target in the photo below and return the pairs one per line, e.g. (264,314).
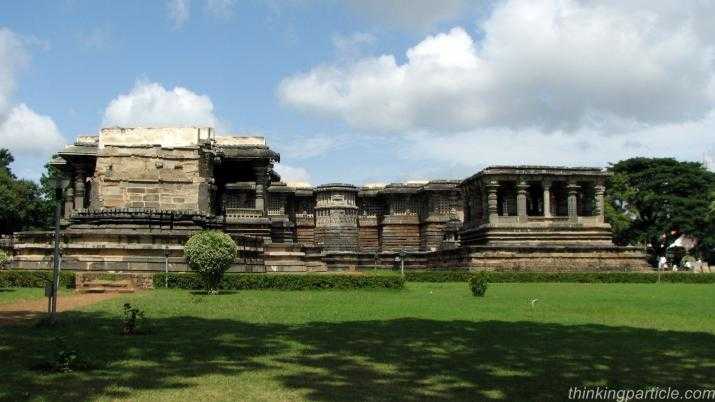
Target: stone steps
(104,290)
(107,286)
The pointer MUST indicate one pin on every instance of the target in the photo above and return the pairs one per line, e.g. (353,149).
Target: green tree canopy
(6,159)
(655,200)
(22,203)
(210,253)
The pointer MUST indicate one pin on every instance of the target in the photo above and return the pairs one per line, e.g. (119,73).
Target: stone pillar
(79,189)
(600,190)
(546,184)
(572,201)
(336,225)
(521,188)
(467,206)
(492,210)
(261,175)
(69,199)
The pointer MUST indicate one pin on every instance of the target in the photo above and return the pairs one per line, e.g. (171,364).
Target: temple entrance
(535,199)
(586,205)
(559,199)
(506,198)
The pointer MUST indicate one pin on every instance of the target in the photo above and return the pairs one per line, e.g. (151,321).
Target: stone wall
(152,178)
(431,235)
(369,234)
(542,258)
(400,232)
(124,250)
(305,230)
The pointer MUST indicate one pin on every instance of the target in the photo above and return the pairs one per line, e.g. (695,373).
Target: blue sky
(368,91)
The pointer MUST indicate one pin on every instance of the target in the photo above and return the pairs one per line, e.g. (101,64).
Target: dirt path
(27,311)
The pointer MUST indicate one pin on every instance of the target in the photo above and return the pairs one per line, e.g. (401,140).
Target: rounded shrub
(210,253)
(479,283)
(4,260)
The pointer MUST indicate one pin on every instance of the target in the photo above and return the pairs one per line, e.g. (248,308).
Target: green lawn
(430,341)
(13,295)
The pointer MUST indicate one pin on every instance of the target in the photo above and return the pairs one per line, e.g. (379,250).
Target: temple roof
(538,170)
(336,187)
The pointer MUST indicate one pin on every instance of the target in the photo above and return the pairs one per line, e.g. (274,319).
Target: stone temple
(133,196)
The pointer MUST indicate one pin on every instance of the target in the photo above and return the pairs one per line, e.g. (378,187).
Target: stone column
(260,188)
(600,190)
(572,201)
(521,188)
(492,210)
(69,199)
(467,206)
(79,189)
(546,184)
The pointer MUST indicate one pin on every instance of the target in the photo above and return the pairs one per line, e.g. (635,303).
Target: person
(662,262)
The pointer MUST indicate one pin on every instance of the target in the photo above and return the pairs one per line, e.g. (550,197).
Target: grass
(430,341)
(15,295)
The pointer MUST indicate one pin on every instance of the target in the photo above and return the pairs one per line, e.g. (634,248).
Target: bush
(4,260)
(478,283)
(66,359)
(573,277)
(283,281)
(210,253)
(438,276)
(33,279)
(132,320)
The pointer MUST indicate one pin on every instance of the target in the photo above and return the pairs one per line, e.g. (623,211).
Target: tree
(210,253)
(6,159)
(654,201)
(22,203)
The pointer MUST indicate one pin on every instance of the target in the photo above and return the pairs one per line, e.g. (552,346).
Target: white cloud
(30,137)
(149,104)
(291,174)
(305,147)
(13,56)
(472,150)
(27,133)
(222,9)
(411,14)
(179,11)
(552,66)
(350,46)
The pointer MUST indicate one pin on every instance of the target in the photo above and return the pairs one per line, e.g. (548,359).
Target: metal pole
(166,267)
(56,255)
(403,254)
(56,285)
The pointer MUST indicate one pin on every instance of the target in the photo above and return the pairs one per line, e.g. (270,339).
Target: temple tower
(336,217)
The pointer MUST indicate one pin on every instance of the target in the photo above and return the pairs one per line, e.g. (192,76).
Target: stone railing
(235,214)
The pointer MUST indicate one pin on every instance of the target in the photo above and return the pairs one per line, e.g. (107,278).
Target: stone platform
(124,249)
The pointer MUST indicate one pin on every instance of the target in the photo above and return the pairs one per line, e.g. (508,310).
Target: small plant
(4,260)
(132,320)
(210,253)
(65,360)
(479,283)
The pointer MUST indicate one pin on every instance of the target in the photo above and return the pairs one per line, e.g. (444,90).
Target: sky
(368,91)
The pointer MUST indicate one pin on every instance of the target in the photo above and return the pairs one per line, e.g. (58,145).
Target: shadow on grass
(403,359)
(7,290)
